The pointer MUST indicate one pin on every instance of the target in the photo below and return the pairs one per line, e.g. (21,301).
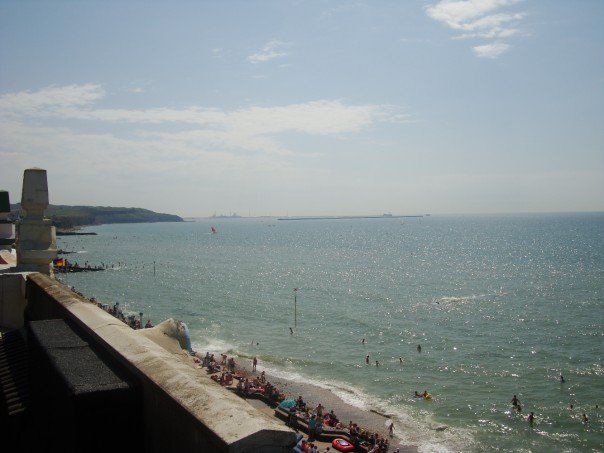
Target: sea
(501,305)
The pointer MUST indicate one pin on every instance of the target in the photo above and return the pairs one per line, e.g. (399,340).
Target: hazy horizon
(307,108)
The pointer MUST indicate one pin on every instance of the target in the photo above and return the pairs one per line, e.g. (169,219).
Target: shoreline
(368,419)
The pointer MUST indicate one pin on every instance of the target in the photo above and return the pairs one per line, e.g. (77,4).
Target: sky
(306,107)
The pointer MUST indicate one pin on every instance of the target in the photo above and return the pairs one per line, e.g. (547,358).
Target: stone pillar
(36,237)
(7,229)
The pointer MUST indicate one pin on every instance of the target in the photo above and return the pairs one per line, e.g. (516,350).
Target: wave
(463,299)
(214,345)
(415,429)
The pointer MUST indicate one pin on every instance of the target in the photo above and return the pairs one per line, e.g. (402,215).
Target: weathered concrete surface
(12,300)
(184,410)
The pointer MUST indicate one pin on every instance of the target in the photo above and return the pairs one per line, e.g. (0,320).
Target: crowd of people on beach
(63,265)
(318,419)
(131,320)
(225,372)
(115,310)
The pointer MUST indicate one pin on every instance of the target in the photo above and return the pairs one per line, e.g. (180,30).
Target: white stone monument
(36,237)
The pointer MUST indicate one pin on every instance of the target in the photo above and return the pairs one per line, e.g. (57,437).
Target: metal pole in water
(295,307)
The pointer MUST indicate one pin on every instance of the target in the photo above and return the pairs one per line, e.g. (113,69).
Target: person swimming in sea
(515,401)
(363,341)
(377,363)
(531,418)
(400,359)
(367,359)
(585,419)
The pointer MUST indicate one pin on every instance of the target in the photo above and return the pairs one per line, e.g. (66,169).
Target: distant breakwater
(353,217)
(75,233)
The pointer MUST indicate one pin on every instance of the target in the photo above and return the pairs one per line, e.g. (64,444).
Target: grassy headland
(66,217)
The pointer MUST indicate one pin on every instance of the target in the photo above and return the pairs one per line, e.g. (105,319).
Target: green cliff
(76,216)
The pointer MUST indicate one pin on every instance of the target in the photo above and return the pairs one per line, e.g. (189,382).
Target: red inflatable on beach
(342,445)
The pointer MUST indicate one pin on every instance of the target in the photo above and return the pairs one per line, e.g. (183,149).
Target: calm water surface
(501,305)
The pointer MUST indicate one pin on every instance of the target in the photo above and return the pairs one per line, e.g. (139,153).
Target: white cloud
(271,50)
(490,50)
(203,156)
(465,14)
(195,149)
(320,117)
(479,19)
(50,98)
(495,33)
(125,167)
(190,130)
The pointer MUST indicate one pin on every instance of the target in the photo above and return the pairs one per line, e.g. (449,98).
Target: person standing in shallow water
(515,401)
(531,418)
(419,348)
(367,359)
(254,363)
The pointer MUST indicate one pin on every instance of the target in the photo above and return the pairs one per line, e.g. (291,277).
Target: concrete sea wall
(183,410)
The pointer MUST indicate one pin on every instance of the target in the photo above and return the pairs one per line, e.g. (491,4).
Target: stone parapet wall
(183,410)
(12,300)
